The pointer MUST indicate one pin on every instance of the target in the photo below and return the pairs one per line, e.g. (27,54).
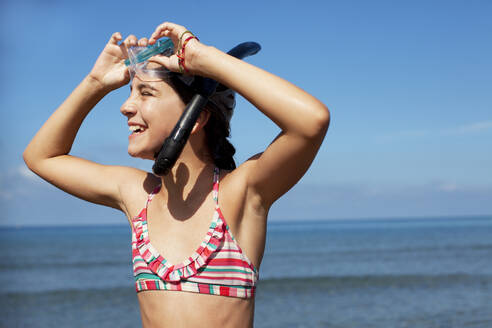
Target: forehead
(138,83)
(152,75)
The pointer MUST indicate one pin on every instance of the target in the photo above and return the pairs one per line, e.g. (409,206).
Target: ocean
(434,272)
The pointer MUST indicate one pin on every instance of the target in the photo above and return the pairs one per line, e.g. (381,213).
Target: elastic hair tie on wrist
(181,38)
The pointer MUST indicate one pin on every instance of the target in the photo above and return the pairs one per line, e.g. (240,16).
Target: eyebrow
(143,85)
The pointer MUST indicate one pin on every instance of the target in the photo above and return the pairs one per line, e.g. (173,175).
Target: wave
(36,264)
(378,280)
(299,283)
(66,296)
(381,250)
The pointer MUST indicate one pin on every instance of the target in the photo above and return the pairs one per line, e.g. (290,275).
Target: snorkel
(203,88)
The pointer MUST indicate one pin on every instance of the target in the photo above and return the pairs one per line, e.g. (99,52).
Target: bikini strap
(151,195)
(215,192)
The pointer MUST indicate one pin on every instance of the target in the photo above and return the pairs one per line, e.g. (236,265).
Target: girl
(196,248)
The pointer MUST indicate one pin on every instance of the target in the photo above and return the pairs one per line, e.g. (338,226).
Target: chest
(176,233)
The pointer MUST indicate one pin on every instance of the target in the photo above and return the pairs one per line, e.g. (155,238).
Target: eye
(146,93)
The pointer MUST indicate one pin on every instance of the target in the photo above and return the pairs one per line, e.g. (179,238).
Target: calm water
(365,273)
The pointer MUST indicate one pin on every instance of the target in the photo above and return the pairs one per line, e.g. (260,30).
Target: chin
(137,154)
(143,154)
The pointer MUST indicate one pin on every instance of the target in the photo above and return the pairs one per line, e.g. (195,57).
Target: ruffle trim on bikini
(190,266)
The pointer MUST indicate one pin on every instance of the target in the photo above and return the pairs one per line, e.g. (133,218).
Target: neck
(192,172)
(185,189)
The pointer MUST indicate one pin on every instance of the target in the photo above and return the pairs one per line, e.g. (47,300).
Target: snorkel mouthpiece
(174,144)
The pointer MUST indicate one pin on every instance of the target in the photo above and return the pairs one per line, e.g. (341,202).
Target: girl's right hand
(110,71)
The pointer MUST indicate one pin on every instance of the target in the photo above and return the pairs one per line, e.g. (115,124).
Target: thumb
(170,63)
(115,38)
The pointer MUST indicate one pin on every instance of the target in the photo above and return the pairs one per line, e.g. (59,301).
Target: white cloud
(18,181)
(448,187)
(24,172)
(471,128)
(358,200)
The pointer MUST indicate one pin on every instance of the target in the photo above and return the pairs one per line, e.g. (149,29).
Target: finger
(143,42)
(161,60)
(171,63)
(124,50)
(115,38)
(130,41)
(159,32)
(167,29)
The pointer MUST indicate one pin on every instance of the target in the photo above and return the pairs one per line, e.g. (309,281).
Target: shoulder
(240,196)
(235,182)
(135,187)
(240,178)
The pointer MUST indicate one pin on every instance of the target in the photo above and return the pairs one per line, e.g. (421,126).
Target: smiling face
(152,110)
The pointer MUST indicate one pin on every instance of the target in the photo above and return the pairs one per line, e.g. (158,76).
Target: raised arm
(303,121)
(302,118)
(47,153)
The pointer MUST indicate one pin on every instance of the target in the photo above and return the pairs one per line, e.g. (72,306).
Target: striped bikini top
(217,267)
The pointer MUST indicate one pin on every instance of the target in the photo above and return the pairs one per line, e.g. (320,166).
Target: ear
(201,121)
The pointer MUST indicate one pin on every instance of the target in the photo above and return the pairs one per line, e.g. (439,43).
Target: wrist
(204,60)
(96,85)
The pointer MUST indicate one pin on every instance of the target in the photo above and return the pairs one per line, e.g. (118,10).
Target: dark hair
(217,130)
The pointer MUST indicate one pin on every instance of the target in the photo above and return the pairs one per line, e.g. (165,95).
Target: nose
(129,108)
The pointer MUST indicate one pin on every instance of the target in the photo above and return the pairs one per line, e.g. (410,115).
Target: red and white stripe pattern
(217,267)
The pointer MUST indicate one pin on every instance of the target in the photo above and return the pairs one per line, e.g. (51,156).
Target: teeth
(134,128)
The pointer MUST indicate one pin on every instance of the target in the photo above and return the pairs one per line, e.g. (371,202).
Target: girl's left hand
(186,53)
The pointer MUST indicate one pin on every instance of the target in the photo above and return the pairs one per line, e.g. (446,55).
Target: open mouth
(135,129)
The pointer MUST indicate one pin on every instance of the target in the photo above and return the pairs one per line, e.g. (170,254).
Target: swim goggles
(138,60)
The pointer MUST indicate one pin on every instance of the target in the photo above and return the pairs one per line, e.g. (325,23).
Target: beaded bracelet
(181,55)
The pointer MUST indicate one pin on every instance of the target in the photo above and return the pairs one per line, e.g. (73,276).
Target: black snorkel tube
(204,87)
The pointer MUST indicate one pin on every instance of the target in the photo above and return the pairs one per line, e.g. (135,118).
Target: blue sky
(409,86)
